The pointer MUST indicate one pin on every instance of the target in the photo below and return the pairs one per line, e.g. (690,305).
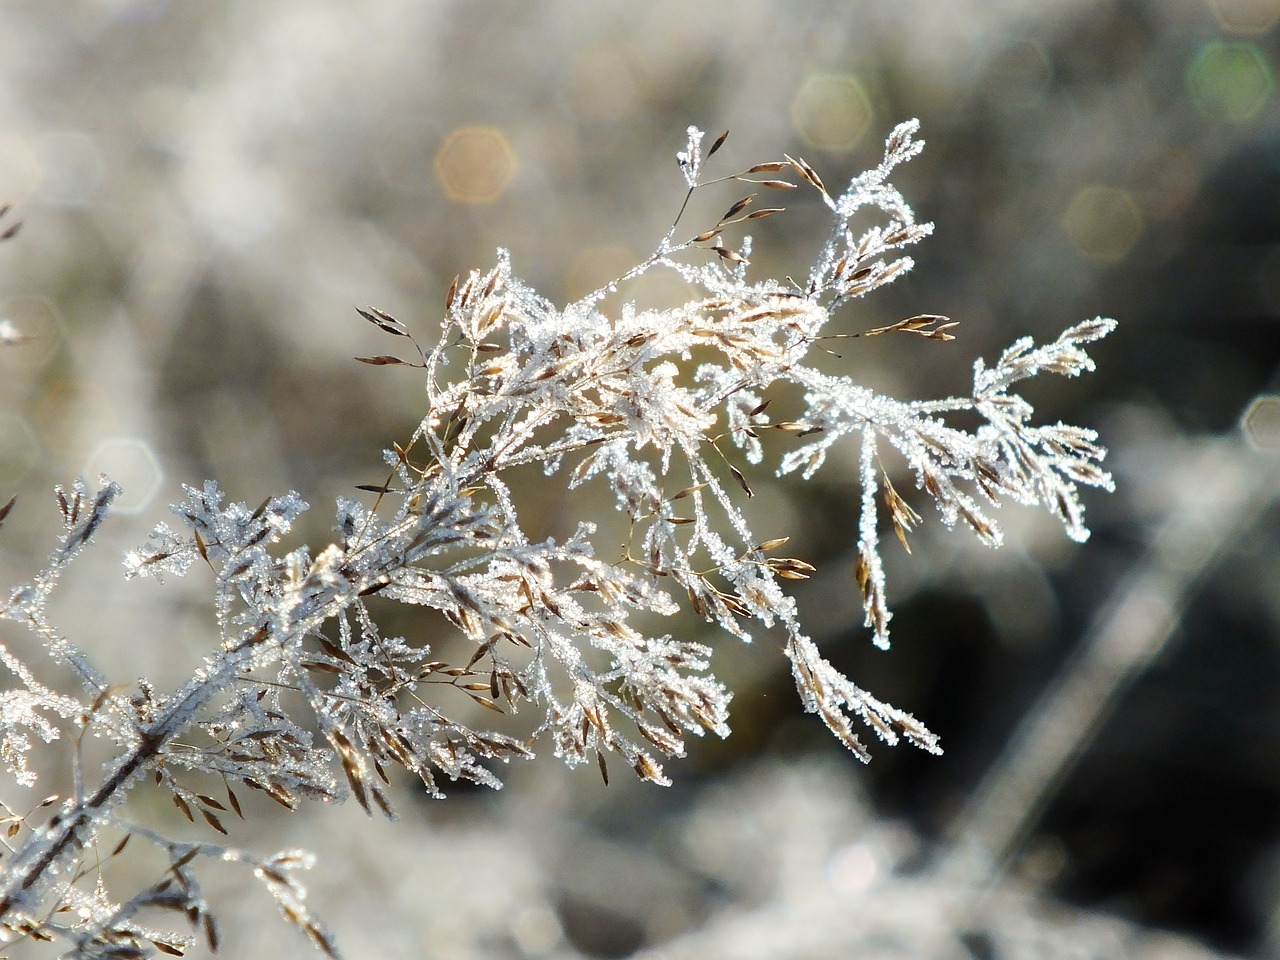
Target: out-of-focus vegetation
(207,190)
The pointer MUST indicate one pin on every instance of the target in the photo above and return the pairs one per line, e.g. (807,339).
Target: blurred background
(207,190)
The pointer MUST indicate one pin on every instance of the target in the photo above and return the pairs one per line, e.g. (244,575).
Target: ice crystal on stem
(306,697)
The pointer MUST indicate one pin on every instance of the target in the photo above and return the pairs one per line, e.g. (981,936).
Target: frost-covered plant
(661,406)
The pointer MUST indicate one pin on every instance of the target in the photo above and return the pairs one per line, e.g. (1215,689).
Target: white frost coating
(553,639)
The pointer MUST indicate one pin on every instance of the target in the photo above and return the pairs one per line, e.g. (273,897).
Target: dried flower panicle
(550,640)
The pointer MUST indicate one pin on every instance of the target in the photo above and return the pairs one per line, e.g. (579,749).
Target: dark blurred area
(207,190)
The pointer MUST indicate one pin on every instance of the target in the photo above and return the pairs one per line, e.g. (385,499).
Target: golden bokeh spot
(1261,423)
(1248,17)
(831,111)
(1103,222)
(475,165)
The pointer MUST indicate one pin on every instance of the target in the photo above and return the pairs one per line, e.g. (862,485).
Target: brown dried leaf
(383,321)
(700,608)
(773,544)
(211,932)
(736,606)
(930,325)
(376,587)
(902,514)
(279,795)
(480,651)
(737,207)
(807,172)
(647,769)
(862,572)
(788,568)
(980,526)
(687,491)
(356,779)
(726,254)
(321,666)
(322,940)
(383,803)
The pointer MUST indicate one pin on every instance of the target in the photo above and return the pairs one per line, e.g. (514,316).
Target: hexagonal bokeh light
(475,165)
(1230,81)
(1103,223)
(1261,423)
(131,463)
(1248,17)
(831,111)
